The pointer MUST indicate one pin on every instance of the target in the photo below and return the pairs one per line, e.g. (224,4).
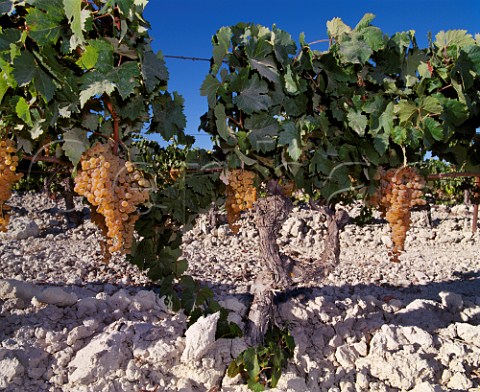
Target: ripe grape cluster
(400,190)
(8,177)
(116,187)
(241,194)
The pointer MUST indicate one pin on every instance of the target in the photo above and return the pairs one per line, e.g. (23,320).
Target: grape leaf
(433,128)
(44,84)
(355,50)
(125,78)
(73,11)
(24,68)
(89,57)
(262,130)
(154,71)
(253,97)
(221,43)
(3,88)
(94,88)
(23,111)
(267,68)
(75,143)
(44,28)
(289,136)
(209,88)
(336,28)
(358,122)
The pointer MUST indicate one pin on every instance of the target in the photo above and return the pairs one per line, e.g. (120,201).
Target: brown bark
(270,212)
(73,217)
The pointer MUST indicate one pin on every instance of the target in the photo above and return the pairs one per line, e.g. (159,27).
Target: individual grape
(116,187)
(241,194)
(8,177)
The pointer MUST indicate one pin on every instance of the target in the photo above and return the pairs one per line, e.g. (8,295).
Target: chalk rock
(57,296)
(459,382)
(199,337)
(427,387)
(105,353)
(10,368)
(469,333)
(11,288)
(24,228)
(452,301)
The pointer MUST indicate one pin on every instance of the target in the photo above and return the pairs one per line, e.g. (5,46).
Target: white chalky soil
(69,322)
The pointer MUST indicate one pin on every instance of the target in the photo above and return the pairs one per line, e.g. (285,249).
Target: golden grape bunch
(241,194)
(400,190)
(8,177)
(116,187)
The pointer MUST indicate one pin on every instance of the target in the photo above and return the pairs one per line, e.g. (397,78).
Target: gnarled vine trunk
(270,213)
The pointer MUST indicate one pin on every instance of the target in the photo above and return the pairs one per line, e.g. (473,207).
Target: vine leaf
(89,57)
(434,128)
(154,70)
(73,11)
(336,28)
(75,144)
(45,27)
(289,137)
(209,89)
(267,68)
(253,97)
(358,122)
(23,111)
(24,68)
(221,42)
(97,87)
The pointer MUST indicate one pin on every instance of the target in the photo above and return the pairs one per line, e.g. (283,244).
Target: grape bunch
(116,187)
(8,177)
(400,189)
(241,194)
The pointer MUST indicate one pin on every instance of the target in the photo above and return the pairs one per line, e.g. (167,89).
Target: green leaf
(267,68)
(253,97)
(104,50)
(248,161)
(24,68)
(96,88)
(209,88)
(221,125)
(374,37)
(399,135)
(75,143)
(154,71)
(125,78)
(3,88)
(433,128)
(221,43)
(291,84)
(73,11)
(89,57)
(283,46)
(289,137)
(45,85)
(336,28)
(458,38)
(23,111)
(355,50)
(262,130)
(168,118)
(364,22)
(44,27)
(406,111)
(358,122)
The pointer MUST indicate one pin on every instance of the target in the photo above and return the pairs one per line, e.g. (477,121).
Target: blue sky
(185,28)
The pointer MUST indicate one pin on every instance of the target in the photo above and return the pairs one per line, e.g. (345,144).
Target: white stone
(100,358)
(57,296)
(12,288)
(10,368)
(427,387)
(452,301)
(459,382)
(200,337)
(469,333)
